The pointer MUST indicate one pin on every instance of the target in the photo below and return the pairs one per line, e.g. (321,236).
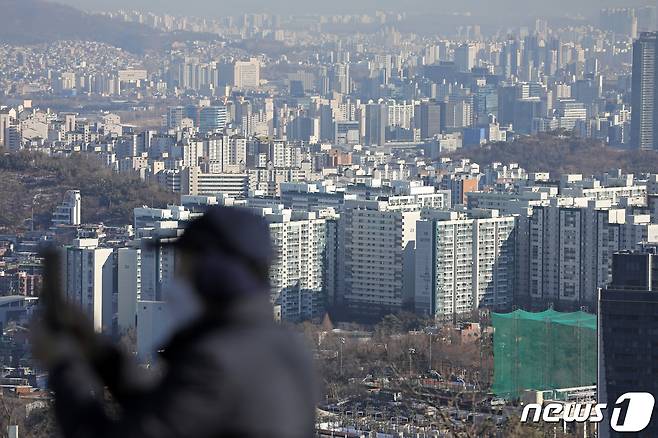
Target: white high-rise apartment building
(88,276)
(283,154)
(571,242)
(464,263)
(7,119)
(247,73)
(376,259)
(196,182)
(400,113)
(303,274)
(192,153)
(69,212)
(226,154)
(129,287)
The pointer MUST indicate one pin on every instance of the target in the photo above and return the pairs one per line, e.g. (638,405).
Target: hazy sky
(477,7)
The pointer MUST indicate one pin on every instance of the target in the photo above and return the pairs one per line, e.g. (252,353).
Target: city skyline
(477,8)
(445,206)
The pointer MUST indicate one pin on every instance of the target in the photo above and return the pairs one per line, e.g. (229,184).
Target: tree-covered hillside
(563,154)
(33,178)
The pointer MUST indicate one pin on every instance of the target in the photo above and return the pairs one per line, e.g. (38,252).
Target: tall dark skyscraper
(375,118)
(326,122)
(644,122)
(429,119)
(507,97)
(628,332)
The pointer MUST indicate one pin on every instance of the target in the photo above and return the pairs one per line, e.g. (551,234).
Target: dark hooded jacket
(231,373)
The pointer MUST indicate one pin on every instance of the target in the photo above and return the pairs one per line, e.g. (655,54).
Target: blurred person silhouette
(228,369)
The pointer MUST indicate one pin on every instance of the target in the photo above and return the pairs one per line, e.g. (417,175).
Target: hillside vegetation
(563,154)
(107,197)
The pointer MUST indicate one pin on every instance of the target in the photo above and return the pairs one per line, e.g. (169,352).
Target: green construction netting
(540,351)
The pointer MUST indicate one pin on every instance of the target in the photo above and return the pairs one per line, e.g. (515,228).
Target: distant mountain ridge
(39,21)
(485,11)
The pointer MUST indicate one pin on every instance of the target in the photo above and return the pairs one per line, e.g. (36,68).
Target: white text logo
(631,413)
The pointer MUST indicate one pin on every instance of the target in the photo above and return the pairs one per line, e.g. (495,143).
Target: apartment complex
(464,262)
(88,277)
(377,247)
(302,277)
